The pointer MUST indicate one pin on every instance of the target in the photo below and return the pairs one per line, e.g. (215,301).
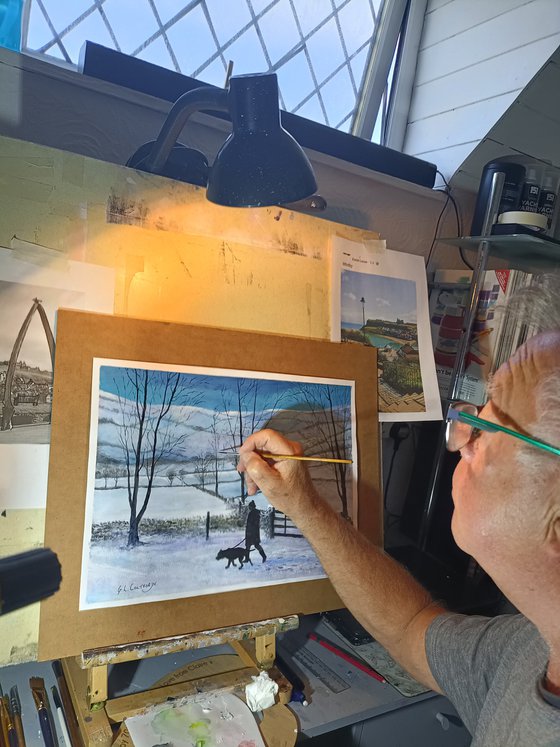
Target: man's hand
(286,482)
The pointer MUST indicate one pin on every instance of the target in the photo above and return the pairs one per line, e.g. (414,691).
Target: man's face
(496,515)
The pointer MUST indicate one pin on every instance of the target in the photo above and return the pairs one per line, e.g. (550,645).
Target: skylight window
(318,48)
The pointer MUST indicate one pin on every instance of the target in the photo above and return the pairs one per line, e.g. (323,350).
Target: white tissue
(260,693)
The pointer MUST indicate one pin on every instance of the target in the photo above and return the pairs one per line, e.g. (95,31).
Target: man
(253,531)
(502,674)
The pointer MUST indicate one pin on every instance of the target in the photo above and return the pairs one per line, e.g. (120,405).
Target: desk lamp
(259,164)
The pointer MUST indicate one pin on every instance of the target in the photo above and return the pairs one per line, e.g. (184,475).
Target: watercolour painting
(383,303)
(167,514)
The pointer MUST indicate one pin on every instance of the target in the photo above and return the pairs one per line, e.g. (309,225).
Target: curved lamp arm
(193,101)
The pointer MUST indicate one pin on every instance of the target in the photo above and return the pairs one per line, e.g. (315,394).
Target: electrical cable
(389,473)
(459,230)
(437,226)
(399,432)
(449,198)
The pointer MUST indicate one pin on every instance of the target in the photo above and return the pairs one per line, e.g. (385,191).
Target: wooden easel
(255,648)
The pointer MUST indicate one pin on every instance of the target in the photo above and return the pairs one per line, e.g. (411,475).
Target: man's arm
(386,600)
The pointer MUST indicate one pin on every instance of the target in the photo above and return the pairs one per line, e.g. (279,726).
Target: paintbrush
(15,707)
(295,457)
(4,722)
(37,685)
(10,725)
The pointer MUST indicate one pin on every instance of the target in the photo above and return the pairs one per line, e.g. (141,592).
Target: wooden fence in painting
(282,526)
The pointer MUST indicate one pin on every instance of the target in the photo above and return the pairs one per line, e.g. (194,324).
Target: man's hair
(539,302)
(538,305)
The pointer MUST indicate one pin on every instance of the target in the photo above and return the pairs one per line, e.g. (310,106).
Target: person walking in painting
(253,531)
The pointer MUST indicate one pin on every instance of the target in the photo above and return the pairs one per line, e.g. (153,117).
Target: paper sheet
(380,298)
(195,530)
(24,443)
(213,719)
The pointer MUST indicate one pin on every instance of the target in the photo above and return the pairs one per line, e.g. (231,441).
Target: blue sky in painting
(212,388)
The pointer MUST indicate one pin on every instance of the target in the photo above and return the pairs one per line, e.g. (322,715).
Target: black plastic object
(28,577)
(184,164)
(514,174)
(121,69)
(348,627)
(260,163)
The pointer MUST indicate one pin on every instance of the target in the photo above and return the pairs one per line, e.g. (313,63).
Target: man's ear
(553,537)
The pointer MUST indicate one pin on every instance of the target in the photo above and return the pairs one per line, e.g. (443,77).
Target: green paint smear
(176,724)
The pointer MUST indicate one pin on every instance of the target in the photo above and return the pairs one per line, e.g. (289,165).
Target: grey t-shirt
(491,669)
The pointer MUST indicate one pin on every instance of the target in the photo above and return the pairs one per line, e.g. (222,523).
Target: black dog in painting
(232,554)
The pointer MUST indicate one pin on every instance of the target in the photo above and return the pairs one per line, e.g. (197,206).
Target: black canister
(514,176)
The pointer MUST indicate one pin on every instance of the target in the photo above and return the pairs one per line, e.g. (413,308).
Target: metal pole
(495,196)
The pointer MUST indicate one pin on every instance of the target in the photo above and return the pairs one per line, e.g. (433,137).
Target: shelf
(522,251)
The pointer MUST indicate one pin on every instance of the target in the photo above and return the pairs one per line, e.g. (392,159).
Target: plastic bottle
(547,199)
(514,174)
(530,193)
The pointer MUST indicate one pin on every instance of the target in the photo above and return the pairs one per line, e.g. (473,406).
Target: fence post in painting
(207,525)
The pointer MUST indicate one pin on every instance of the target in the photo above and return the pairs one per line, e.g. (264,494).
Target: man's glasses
(463,425)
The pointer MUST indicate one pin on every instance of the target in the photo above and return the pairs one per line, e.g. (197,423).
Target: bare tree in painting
(116,473)
(104,473)
(202,465)
(171,474)
(332,430)
(246,409)
(147,434)
(215,446)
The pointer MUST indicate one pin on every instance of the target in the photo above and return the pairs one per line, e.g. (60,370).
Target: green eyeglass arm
(486,425)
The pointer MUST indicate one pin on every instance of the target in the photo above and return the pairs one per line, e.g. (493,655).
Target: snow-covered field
(175,567)
(176,502)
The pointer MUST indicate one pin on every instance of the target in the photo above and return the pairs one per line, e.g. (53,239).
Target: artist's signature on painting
(131,588)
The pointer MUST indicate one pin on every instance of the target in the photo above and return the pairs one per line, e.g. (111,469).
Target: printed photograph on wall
(167,514)
(26,359)
(380,311)
(31,292)
(383,303)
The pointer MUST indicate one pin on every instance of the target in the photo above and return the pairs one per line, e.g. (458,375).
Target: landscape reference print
(380,311)
(167,514)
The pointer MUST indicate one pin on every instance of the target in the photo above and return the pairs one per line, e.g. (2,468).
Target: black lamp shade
(260,163)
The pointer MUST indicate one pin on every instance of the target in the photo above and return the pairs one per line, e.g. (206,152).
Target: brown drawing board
(81,337)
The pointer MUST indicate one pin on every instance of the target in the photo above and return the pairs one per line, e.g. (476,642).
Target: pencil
(347,657)
(67,707)
(60,715)
(295,457)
